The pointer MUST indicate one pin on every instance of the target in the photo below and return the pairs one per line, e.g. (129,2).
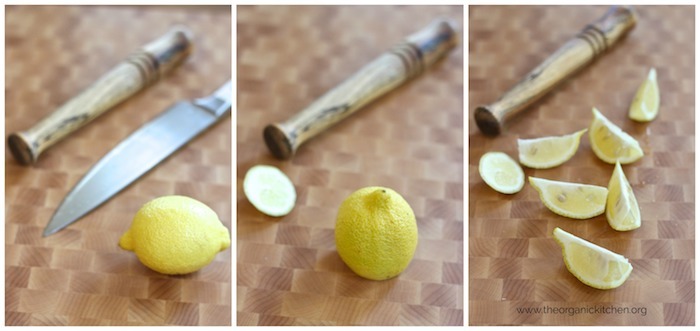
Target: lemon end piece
(501,173)
(269,190)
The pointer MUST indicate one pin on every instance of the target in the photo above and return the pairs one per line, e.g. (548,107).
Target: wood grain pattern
(288,270)
(80,276)
(513,261)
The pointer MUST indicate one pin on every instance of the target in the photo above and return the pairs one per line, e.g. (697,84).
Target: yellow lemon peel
(376,233)
(175,235)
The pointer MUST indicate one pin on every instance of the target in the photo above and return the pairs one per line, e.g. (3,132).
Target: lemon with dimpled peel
(501,173)
(622,209)
(548,152)
(571,200)
(645,105)
(376,233)
(593,265)
(610,143)
(175,235)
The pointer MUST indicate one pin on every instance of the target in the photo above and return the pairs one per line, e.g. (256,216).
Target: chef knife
(139,153)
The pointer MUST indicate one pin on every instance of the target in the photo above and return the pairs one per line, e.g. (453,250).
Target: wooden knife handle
(139,70)
(406,60)
(577,53)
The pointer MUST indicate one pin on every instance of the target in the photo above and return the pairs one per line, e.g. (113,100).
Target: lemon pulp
(376,233)
(593,265)
(622,209)
(610,143)
(548,152)
(501,173)
(571,200)
(269,190)
(645,105)
(175,235)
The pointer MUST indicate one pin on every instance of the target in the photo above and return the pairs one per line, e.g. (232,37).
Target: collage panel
(349,165)
(118,217)
(349,130)
(581,165)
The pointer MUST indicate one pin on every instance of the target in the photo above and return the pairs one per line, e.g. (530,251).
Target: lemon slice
(593,265)
(500,172)
(548,152)
(269,190)
(571,200)
(610,143)
(645,105)
(622,209)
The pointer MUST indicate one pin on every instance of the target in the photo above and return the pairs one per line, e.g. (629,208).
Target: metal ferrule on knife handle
(577,53)
(138,71)
(406,60)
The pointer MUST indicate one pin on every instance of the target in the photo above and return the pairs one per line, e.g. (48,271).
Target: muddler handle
(139,70)
(406,60)
(577,53)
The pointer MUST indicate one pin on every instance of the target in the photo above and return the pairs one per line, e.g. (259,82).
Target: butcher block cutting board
(80,276)
(514,264)
(411,140)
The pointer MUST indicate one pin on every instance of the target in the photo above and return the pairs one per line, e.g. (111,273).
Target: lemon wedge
(571,200)
(501,173)
(548,152)
(269,190)
(645,105)
(622,209)
(610,143)
(593,265)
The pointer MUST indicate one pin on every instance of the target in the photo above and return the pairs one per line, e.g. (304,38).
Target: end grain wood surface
(80,276)
(513,261)
(288,270)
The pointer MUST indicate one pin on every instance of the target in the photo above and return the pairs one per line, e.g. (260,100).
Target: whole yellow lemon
(175,235)
(376,233)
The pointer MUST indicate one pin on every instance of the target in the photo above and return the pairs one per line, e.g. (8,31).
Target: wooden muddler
(577,53)
(406,60)
(139,70)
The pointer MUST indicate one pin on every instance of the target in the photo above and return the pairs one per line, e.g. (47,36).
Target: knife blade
(136,155)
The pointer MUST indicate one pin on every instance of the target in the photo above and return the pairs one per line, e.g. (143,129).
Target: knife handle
(136,72)
(577,53)
(406,60)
